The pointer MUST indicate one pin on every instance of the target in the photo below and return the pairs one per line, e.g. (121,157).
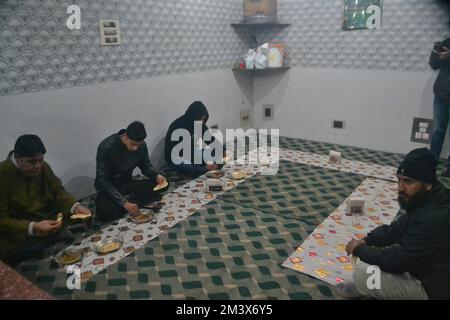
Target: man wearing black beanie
(413,252)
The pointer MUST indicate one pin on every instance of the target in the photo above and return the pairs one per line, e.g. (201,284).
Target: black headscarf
(196,111)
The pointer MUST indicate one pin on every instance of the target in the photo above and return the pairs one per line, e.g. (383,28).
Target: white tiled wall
(38,52)
(72,121)
(377,106)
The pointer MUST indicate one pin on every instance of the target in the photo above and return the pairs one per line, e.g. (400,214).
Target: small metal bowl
(142,217)
(108,245)
(215,174)
(237,175)
(69,256)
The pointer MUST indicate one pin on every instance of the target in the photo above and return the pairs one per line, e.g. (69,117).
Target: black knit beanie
(419,165)
(29,145)
(136,131)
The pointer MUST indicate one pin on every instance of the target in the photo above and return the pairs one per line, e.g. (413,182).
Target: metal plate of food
(108,245)
(215,174)
(69,256)
(237,175)
(143,217)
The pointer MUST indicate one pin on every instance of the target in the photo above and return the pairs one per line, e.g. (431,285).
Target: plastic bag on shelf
(250,59)
(261,61)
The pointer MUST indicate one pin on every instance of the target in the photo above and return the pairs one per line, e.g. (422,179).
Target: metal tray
(237,175)
(108,245)
(143,217)
(215,174)
(69,256)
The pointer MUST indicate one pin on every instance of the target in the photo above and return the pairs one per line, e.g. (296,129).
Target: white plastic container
(214,185)
(355,206)
(335,157)
(276,55)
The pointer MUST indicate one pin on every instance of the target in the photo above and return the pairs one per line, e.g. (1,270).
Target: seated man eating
(34,207)
(117,157)
(193,158)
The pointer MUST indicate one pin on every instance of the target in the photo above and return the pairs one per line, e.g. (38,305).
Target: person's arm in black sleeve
(103,180)
(386,235)
(204,129)
(145,164)
(435,61)
(417,248)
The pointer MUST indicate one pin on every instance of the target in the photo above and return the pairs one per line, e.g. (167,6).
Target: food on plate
(69,256)
(237,175)
(109,247)
(142,218)
(216,174)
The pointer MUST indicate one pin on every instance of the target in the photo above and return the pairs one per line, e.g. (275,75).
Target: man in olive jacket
(412,253)
(31,197)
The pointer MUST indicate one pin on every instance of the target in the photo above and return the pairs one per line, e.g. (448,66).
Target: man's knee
(368,280)
(106,210)
(360,276)
(145,184)
(9,248)
(7,254)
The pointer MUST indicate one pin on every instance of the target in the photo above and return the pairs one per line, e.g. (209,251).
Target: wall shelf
(283,68)
(252,27)
(265,24)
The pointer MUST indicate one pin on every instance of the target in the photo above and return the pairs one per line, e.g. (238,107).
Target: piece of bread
(80,216)
(161,186)
(59,217)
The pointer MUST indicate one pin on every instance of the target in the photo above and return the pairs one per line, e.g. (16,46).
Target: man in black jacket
(412,253)
(440,59)
(117,156)
(193,163)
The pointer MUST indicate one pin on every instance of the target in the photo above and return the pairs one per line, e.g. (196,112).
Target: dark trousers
(191,170)
(136,191)
(441,119)
(15,254)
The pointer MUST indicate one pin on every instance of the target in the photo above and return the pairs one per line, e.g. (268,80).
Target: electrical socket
(421,130)
(268,110)
(338,124)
